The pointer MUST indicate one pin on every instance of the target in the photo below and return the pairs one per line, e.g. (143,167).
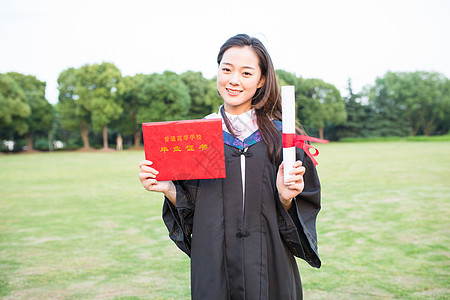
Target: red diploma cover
(181,150)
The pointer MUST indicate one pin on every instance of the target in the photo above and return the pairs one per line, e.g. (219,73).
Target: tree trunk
(321,133)
(84,136)
(137,134)
(137,139)
(29,141)
(411,126)
(428,127)
(105,137)
(416,127)
(119,142)
(50,141)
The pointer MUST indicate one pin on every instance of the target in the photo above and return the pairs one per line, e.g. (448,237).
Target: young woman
(242,232)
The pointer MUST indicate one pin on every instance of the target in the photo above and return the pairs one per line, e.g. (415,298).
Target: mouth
(233,92)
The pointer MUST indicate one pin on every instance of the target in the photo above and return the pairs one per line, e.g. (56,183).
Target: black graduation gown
(245,252)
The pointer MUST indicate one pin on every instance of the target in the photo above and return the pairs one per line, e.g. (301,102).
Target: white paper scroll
(288,118)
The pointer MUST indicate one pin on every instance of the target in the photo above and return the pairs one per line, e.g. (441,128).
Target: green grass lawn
(80,226)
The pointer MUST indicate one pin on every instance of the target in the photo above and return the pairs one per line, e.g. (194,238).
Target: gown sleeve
(179,218)
(298,225)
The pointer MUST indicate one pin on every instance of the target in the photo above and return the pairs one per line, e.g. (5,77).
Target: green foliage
(97,89)
(14,109)
(198,87)
(358,114)
(319,102)
(72,112)
(41,143)
(129,90)
(214,101)
(95,96)
(400,104)
(287,78)
(89,96)
(419,98)
(163,97)
(41,116)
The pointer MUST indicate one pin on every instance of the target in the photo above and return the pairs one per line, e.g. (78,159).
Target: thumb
(281,170)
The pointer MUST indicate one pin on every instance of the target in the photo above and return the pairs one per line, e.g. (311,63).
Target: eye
(247,74)
(226,70)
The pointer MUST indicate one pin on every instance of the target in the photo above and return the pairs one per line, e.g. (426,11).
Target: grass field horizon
(78,225)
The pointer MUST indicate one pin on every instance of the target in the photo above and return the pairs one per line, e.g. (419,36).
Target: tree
(127,124)
(203,95)
(356,115)
(419,98)
(163,97)
(14,109)
(89,97)
(213,99)
(286,78)
(41,117)
(425,98)
(73,114)
(319,102)
(443,123)
(387,118)
(97,89)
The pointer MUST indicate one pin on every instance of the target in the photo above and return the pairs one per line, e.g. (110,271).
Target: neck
(236,110)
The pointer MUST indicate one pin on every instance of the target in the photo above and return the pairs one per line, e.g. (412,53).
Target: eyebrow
(245,67)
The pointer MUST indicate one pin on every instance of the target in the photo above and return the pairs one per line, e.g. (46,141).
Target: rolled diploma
(288,118)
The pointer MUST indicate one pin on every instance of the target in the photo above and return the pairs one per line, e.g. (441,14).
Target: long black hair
(267,99)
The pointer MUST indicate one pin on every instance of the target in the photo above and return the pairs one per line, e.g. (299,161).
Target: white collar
(244,124)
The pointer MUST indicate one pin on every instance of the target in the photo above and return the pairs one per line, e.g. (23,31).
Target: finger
(298,171)
(145,162)
(295,179)
(145,176)
(297,164)
(148,169)
(296,187)
(150,184)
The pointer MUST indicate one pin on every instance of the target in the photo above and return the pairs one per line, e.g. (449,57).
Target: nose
(234,79)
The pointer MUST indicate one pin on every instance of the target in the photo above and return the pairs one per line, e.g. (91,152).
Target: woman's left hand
(288,192)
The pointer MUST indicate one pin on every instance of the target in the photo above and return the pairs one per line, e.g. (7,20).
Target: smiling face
(238,78)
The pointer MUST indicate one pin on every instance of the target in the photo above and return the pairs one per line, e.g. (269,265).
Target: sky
(326,39)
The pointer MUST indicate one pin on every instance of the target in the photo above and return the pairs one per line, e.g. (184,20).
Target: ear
(261,82)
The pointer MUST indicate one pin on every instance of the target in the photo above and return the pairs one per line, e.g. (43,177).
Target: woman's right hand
(148,175)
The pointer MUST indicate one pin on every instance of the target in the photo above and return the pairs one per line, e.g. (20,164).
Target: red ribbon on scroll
(291,140)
